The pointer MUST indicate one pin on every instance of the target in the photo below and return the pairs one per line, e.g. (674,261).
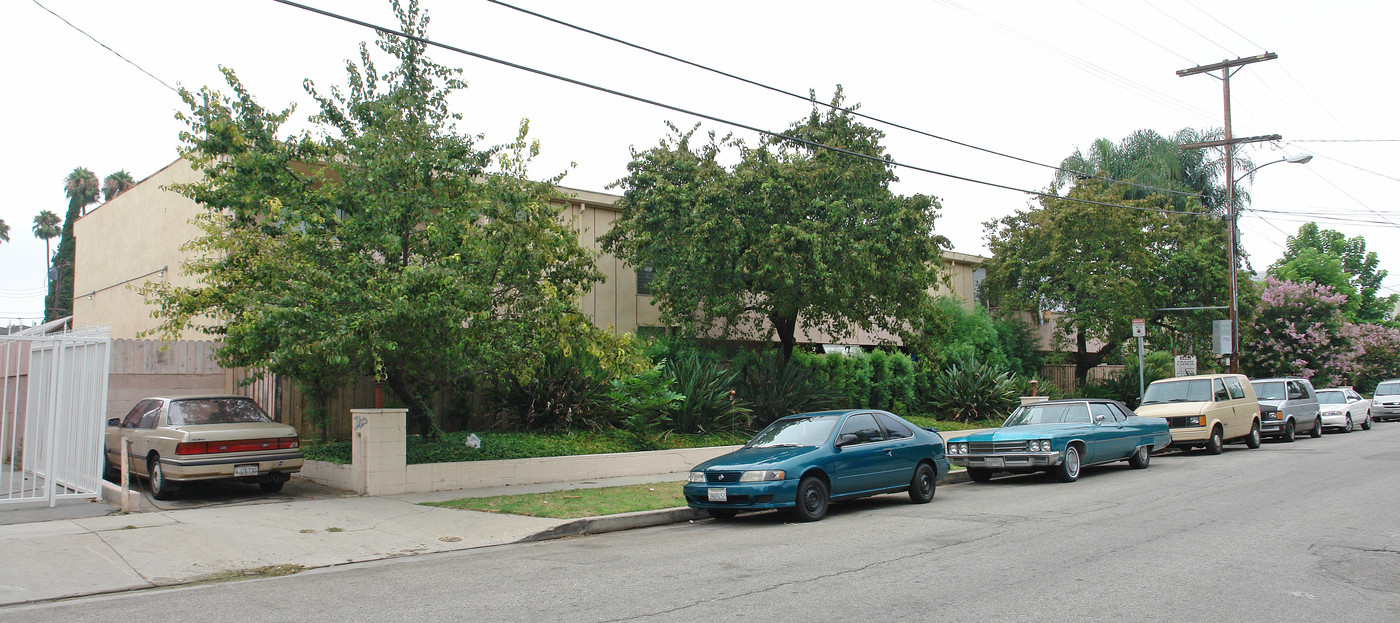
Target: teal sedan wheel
(1141,457)
(1068,469)
(813,499)
(921,488)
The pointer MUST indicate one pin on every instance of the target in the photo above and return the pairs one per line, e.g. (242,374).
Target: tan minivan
(1208,410)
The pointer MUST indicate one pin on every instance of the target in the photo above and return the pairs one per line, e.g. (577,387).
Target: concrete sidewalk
(93,555)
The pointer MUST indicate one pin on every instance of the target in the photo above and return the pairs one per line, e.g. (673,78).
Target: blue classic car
(803,462)
(1061,436)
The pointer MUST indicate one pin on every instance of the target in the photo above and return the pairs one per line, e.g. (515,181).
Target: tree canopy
(1329,258)
(387,242)
(792,234)
(81,188)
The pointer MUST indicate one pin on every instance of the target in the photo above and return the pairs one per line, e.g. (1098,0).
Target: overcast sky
(1034,79)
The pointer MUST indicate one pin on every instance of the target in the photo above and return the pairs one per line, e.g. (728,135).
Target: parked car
(1207,410)
(1343,408)
(803,462)
(179,439)
(1060,437)
(1385,401)
(1288,405)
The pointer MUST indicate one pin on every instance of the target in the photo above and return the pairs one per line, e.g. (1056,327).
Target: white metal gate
(53,401)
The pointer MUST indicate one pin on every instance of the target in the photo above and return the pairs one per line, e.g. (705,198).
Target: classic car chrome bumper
(1007,460)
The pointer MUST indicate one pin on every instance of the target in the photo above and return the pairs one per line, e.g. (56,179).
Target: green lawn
(576,503)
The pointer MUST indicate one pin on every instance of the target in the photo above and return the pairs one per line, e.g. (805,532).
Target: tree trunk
(1084,361)
(418,409)
(787,334)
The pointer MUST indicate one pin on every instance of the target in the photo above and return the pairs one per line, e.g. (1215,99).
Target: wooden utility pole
(1231,213)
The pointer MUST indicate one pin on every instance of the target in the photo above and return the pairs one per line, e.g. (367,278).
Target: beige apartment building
(139,236)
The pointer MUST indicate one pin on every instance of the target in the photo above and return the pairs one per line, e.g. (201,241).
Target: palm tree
(1151,160)
(46,228)
(81,186)
(4,231)
(115,183)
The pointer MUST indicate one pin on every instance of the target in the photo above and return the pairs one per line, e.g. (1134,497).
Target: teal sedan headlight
(760,476)
(697,476)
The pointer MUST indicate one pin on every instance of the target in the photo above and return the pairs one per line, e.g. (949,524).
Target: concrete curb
(647,519)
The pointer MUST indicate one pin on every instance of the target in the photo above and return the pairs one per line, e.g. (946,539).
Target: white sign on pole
(1139,328)
(1220,337)
(1185,365)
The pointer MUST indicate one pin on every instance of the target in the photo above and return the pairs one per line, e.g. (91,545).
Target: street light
(1234,279)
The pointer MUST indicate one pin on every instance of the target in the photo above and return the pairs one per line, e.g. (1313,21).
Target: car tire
(1140,457)
(271,486)
(1255,438)
(813,499)
(1216,443)
(161,489)
(922,486)
(979,474)
(1317,426)
(110,473)
(1068,469)
(1366,424)
(1289,433)
(1348,426)
(722,514)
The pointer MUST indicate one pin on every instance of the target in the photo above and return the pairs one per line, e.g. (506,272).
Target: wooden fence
(1063,375)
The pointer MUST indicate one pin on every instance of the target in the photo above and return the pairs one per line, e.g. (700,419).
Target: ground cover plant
(576,503)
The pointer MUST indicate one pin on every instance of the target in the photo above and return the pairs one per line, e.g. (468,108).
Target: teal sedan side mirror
(846,439)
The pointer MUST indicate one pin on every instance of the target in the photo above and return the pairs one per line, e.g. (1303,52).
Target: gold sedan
(179,439)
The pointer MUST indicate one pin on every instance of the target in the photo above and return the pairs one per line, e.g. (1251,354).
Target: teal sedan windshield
(1055,413)
(802,431)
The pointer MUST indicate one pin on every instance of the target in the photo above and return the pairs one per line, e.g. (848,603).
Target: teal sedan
(804,462)
(1060,437)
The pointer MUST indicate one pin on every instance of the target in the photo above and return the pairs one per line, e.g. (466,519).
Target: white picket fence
(53,397)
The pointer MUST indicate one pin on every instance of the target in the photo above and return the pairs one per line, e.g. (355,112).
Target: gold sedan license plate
(245,470)
(718,494)
(996,461)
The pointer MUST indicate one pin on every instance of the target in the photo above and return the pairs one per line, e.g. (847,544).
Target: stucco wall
(124,243)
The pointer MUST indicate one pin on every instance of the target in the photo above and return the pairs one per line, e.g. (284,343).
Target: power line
(805,98)
(778,135)
(1345,140)
(1364,170)
(1140,35)
(94,40)
(1188,27)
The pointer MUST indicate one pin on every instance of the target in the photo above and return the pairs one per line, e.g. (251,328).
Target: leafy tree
(790,234)
(1376,354)
(4,231)
(81,188)
(1102,266)
(1299,332)
(1329,258)
(389,243)
(115,184)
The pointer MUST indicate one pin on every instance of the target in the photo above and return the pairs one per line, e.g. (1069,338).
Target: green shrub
(567,391)
(968,390)
(1123,385)
(773,390)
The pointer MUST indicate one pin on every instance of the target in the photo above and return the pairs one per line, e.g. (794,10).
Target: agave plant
(710,403)
(967,391)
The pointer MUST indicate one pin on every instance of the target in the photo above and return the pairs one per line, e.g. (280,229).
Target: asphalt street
(1288,532)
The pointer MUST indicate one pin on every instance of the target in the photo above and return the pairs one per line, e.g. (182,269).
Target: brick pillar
(377,451)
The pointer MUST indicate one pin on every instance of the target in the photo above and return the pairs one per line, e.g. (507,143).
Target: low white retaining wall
(380,433)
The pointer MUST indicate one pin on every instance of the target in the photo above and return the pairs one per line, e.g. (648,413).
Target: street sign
(1139,328)
(1185,365)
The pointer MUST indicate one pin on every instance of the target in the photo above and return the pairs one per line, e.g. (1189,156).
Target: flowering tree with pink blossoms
(1376,354)
(1300,331)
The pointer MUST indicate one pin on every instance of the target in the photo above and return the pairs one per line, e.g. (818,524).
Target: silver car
(1385,403)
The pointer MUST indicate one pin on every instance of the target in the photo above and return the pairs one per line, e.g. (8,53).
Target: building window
(644,276)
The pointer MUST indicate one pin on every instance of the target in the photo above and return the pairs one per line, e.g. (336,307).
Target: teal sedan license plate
(996,462)
(718,494)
